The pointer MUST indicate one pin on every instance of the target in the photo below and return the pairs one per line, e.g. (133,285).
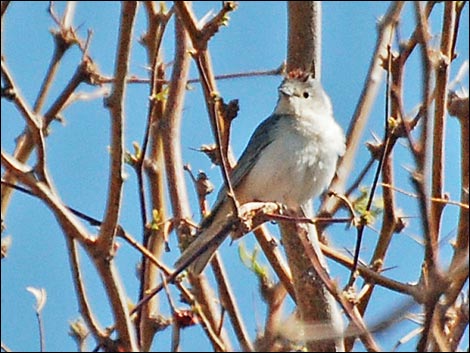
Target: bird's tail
(214,231)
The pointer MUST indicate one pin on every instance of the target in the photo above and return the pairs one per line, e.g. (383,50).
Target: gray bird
(290,159)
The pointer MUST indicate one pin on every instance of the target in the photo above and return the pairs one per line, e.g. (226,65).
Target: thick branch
(440,110)
(304,42)
(115,103)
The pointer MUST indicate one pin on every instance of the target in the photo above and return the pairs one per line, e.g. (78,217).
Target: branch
(115,103)
(64,38)
(315,305)
(82,298)
(275,258)
(305,36)
(220,127)
(153,166)
(33,122)
(458,106)
(228,301)
(440,110)
(312,298)
(69,224)
(321,275)
(170,126)
(118,301)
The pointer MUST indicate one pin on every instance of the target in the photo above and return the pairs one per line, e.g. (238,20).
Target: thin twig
(255,73)
(64,38)
(384,158)
(446,201)
(373,276)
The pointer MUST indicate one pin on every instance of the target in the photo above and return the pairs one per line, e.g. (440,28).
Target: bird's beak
(286,91)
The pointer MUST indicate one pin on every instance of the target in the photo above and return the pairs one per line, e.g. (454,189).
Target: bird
(290,159)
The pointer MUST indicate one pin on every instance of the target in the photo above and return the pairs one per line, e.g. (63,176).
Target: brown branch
(220,127)
(314,303)
(446,201)
(431,277)
(255,73)
(228,301)
(410,45)
(459,107)
(373,276)
(32,121)
(418,177)
(104,245)
(64,38)
(74,230)
(227,298)
(153,166)
(273,295)
(86,72)
(169,278)
(115,104)
(273,254)
(170,124)
(304,18)
(440,110)
(82,298)
(117,299)
(312,298)
(327,284)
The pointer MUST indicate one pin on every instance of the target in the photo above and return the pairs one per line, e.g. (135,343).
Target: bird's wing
(262,137)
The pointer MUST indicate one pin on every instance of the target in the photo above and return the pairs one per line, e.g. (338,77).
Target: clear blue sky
(255,39)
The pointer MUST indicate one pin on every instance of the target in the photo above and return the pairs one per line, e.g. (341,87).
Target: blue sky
(255,39)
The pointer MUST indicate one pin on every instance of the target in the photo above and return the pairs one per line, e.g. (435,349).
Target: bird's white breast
(299,164)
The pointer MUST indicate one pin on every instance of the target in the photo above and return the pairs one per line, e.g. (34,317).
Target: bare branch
(305,37)
(69,224)
(440,110)
(228,300)
(32,121)
(115,103)
(82,298)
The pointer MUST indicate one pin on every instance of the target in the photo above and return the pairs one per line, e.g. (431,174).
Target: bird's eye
(306,94)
